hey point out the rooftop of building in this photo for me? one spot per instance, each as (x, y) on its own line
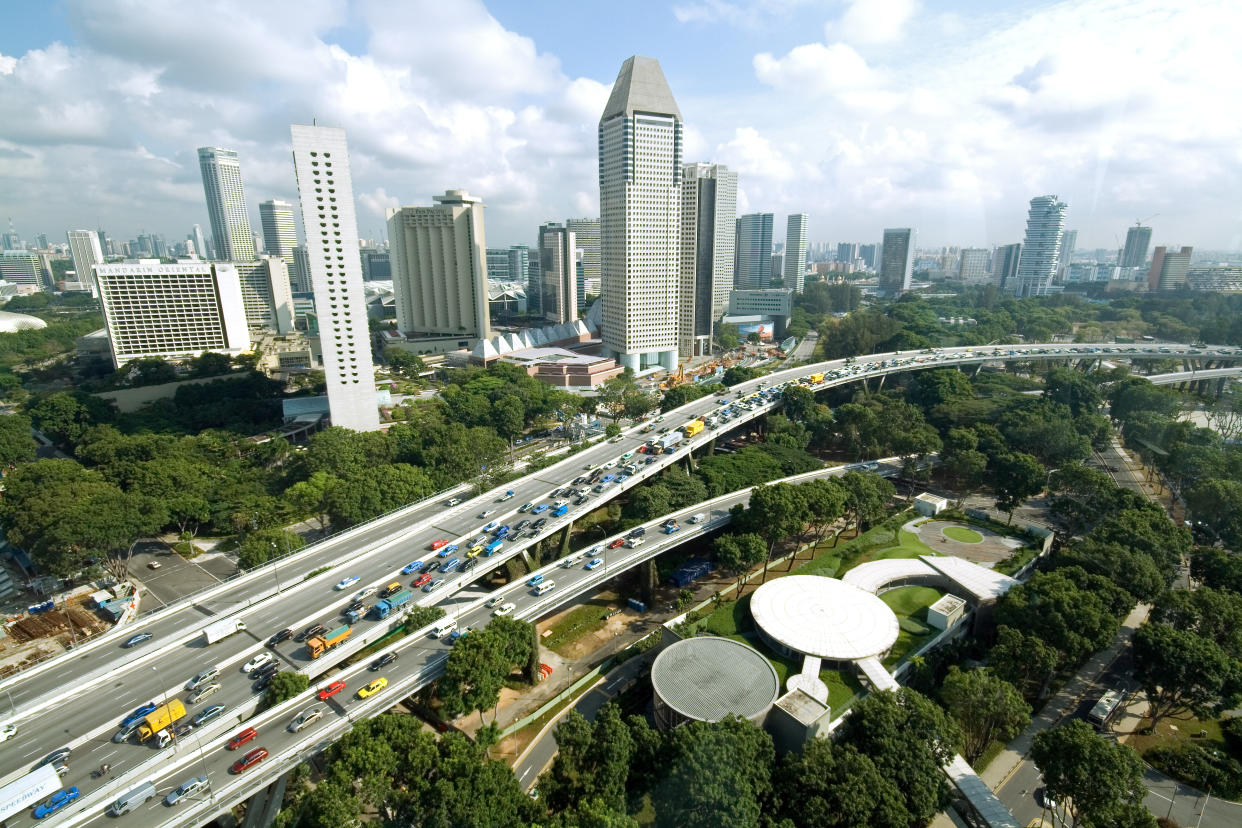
(13, 322)
(824, 617)
(640, 87)
(708, 678)
(558, 356)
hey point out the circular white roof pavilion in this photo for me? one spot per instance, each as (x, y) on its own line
(824, 617)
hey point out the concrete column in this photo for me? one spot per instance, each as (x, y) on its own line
(668, 360)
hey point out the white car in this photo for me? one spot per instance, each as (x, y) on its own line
(8, 732)
(494, 601)
(257, 662)
(193, 785)
(364, 594)
(504, 609)
(346, 583)
(304, 718)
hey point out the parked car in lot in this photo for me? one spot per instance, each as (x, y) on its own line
(330, 691)
(248, 761)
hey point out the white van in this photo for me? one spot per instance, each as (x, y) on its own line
(544, 588)
(444, 627)
(133, 799)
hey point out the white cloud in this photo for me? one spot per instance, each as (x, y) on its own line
(873, 21)
(815, 68)
(747, 15)
(377, 201)
(7, 64)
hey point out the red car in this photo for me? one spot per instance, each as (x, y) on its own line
(642, 449)
(251, 759)
(425, 578)
(331, 690)
(436, 544)
(242, 738)
(617, 543)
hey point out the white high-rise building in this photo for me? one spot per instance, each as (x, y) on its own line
(1041, 248)
(439, 267)
(200, 244)
(85, 251)
(174, 311)
(754, 252)
(326, 191)
(299, 276)
(708, 215)
(266, 294)
(795, 251)
(280, 234)
(226, 204)
(21, 267)
(558, 250)
(586, 236)
(896, 261)
(972, 266)
(640, 146)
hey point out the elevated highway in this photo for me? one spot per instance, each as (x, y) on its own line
(78, 699)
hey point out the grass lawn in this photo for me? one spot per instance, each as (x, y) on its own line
(1174, 730)
(883, 541)
(962, 535)
(579, 621)
(910, 605)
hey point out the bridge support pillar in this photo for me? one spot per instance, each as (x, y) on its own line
(711, 447)
(565, 538)
(880, 387)
(650, 580)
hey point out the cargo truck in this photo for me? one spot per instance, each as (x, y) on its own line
(393, 602)
(694, 428)
(816, 379)
(668, 441)
(160, 718)
(223, 629)
(493, 547)
(320, 644)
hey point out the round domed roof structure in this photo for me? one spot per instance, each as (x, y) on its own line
(824, 617)
(14, 322)
(707, 678)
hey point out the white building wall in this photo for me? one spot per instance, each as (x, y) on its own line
(85, 251)
(226, 203)
(795, 251)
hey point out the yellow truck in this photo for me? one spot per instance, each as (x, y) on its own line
(320, 644)
(161, 718)
(694, 428)
(816, 379)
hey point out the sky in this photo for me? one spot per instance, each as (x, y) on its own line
(943, 116)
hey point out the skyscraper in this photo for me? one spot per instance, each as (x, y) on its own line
(498, 264)
(439, 267)
(1138, 241)
(299, 277)
(972, 267)
(640, 146)
(708, 217)
(558, 253)
(586, 234)
(21, 267)
(896, 261)
(226, 204)
(847, 251)
(265, 292)
(280, 234)
(1069, 240)
(869, 253)
(795, 251)
(753, 251)
(1041, 247)
(85, 251)
(1168, 268)
(200, 244)
(1005, 265)
(321, 161)
(519, 271)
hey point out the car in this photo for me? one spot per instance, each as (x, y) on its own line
(534, 580)
(248, 761)
(421, 580)
(264, 682)
(140, 638)
(364, 594)
(593, 551)
(539, 524)
(346, 583)
(7, 732)
(154, 565)
(627, 455)
(508, 495)
(257, 662)
(616, 544)
(330, 691)
(649, 461)
(55, 802)
(617, 439)
(608, 478)
(595, 563)
(436, 544)
(520, 525)
(474, 552)
(208, 714)
(139, 714)
(412, 566)
(356, 606)
(526, 507)
(494, 601)
(434, 585)
(243, 737)
(453, 501)
(202, 693)
(540, 509)
(190, 786)
(312, 630)
(373, 688)
(609, 464)
(579, 480)
(568, 562)
(61, 766)
(489, 527)
(637, 532)
(621, 478)
(504, 609)
(599, 487)
(580, 499)
(202, 678)
(382, 662)
(448, 550)
(434, 566)
(461, 633)
(182, 729)
(451, 566)
(501, 531)
(671, 528)
(283, 635)
(699, 518)
(304, 718)
(265, 671)
(486, 513)
(481, 539)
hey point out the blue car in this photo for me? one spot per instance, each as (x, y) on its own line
(540, 509)
(139, 714)
(135, 640)
(490, 526)
(451, 566)
(412, 566)
(501, 531)
(608, 478)
(535, 580)
(594, 563)
(621, 478)
(445, 551)
(55, 802)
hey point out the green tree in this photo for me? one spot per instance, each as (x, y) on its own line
(830, 784)
(1073, 389)
(313, 496)
(737, 375)
(285, 685)
(866, 498)
(1217, 504)
(986, 708)
(17, 445)
(739, 553)
(381, 490)
(612, 430)
(776, 512)
(1094, 775)
(1016, 477)
(404, 362)
(1217, 568)
(942, 385)
(825, 505)
(717, 773)
(1025, 661)
(479, 664)
(1182, 672)
(509, 416)
(262, 546)
(1070, 610)
(592, 761)
(727, 336)
(211, 364)
(679, 395)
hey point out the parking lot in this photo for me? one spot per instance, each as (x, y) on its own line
(165, 575)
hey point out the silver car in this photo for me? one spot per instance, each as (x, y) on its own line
(192, 785)
(304, 718)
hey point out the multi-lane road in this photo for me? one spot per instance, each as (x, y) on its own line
(79, 699)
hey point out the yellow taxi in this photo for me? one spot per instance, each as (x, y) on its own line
(373, 688)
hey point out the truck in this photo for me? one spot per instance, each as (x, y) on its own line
(160, 718)
(816, 379)
(223, 629)
(694, 428)
(320, 644)
(393, 602)
(668, 441)
(560, 511)
(493, 547)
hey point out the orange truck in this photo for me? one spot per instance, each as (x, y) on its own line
(320, 644)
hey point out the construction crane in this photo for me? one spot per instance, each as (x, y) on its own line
(1139, 222)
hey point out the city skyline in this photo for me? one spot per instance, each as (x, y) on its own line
(888, 152)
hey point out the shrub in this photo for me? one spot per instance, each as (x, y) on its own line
(1202, 766)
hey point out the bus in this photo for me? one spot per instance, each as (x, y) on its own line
(1107, 708)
